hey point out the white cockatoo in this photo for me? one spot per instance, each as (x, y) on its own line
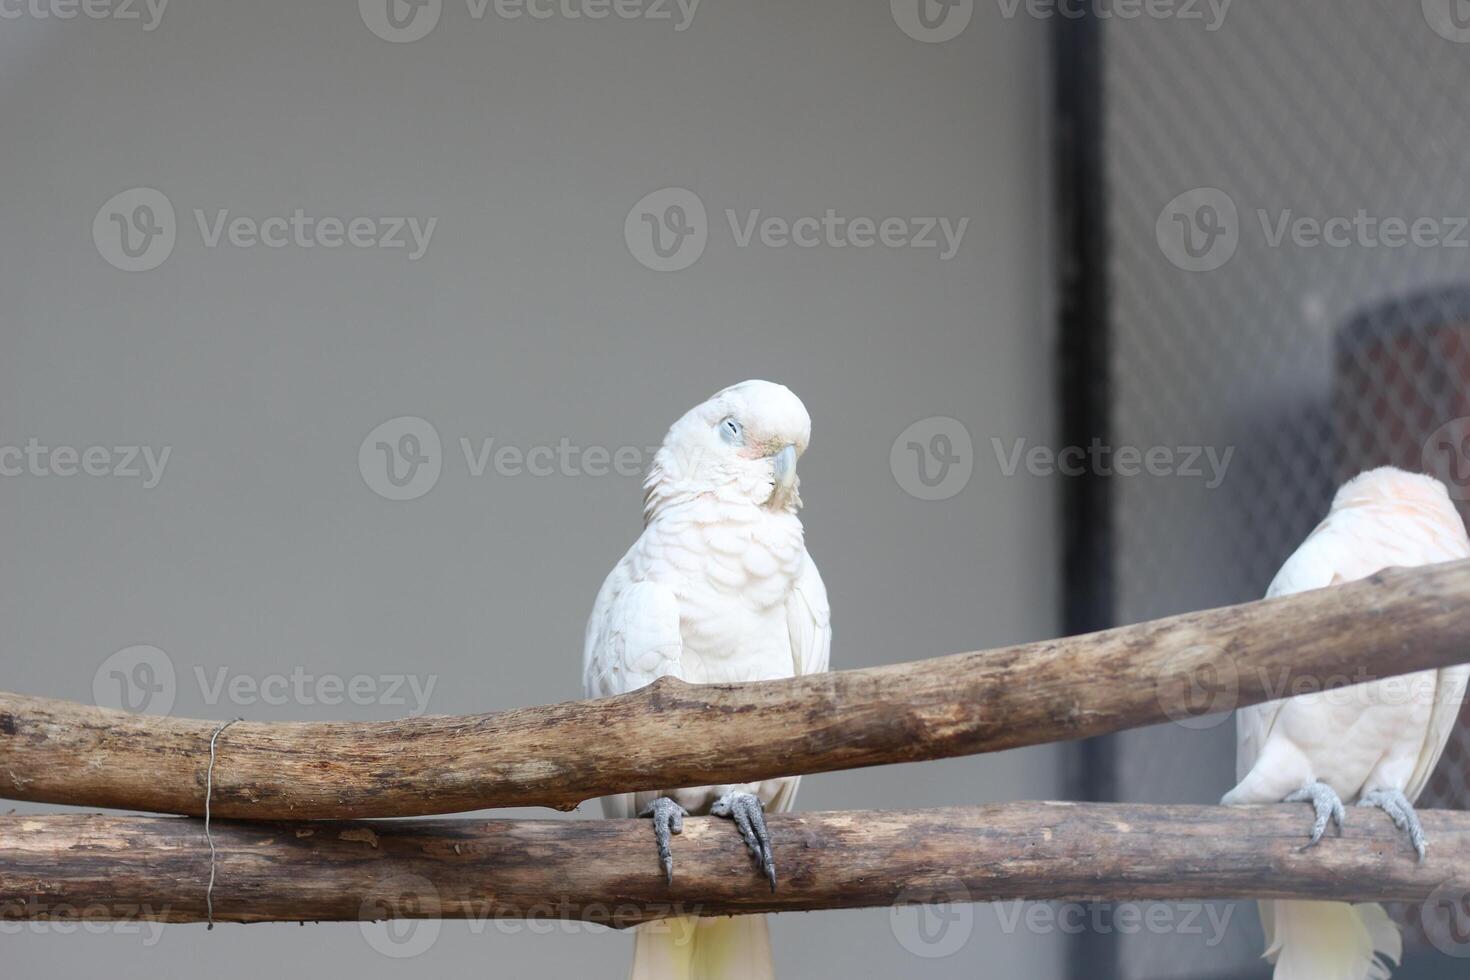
(718, 588)
(1375, 743)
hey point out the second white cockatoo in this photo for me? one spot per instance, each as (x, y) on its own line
(718, 588)
(1375, 744)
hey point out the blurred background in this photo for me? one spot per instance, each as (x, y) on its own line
(335, 336)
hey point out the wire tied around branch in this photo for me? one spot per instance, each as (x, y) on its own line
(209, 837)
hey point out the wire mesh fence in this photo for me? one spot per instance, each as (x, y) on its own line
(1290, 290)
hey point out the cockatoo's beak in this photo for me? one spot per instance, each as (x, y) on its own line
(784, 466)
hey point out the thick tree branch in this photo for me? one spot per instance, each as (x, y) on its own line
(672, 734)
(111, 867)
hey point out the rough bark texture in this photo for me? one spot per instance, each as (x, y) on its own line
(111, 867)
(672, 734)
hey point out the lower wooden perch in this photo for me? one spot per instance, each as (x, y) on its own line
(81, 866)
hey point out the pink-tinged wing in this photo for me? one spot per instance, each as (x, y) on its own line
(1354, 542)
(1407, 533)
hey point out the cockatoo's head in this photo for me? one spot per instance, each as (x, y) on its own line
(741, 445)
(1390, 485)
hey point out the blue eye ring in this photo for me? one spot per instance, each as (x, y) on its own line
(731, 431)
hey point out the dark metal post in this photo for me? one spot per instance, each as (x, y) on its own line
(1084, 392)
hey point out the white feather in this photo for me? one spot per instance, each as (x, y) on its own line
(718, 588)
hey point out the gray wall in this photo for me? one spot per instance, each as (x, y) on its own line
(263, 550)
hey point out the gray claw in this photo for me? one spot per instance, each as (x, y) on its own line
(750, 818)
(668, 818)
(1326, 803)
(1394, 803)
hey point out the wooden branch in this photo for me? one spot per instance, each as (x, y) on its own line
(672, 734)
(112, 867)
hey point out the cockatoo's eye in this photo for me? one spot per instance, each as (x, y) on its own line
(732, 432)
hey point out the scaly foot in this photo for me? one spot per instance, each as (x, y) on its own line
(668, 818)
(1394, 803)
(749, 816)
(1326, 803)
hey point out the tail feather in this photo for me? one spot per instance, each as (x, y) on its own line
(1330, 940)
(724, 948)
